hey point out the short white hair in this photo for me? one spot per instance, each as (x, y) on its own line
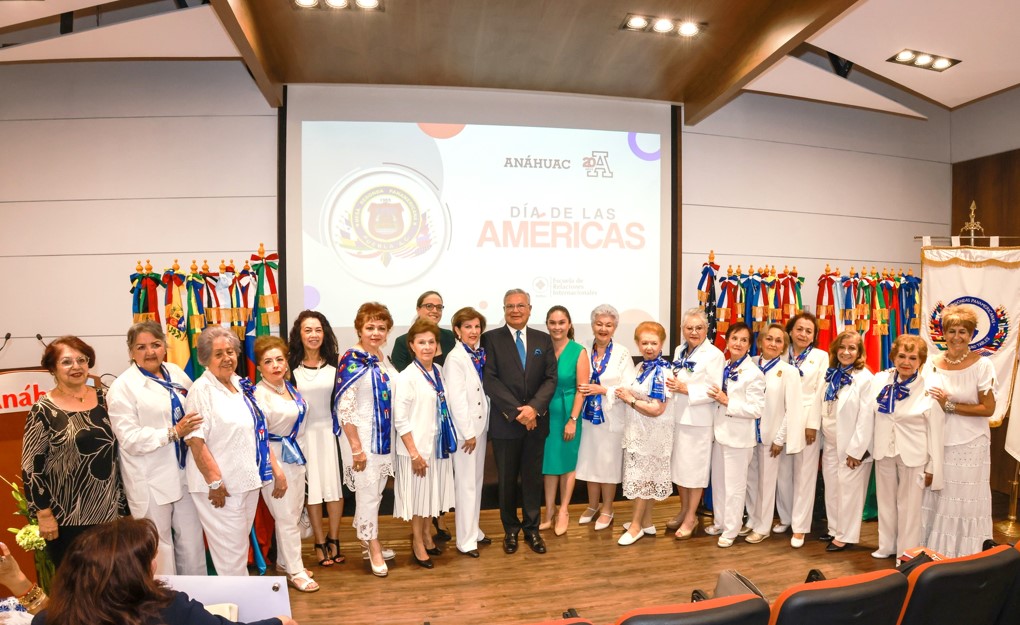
(516, 292)
(605, 310)
(696, 311)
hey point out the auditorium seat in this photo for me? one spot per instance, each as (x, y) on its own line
(871, 598)
(971, 590)
(746, 609)
(1010, 614)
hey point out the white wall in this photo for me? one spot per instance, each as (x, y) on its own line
(987, 127)
(777, 181)
(103, 164)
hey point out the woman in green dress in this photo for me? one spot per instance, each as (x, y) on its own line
(564, 439)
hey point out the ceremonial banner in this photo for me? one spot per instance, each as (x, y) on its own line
(986, 280)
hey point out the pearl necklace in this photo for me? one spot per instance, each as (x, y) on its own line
(950, 361)
(279, 390)
(315, 372)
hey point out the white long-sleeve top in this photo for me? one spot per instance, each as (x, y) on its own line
(914, 429)
(465, 396)
(812, 389)
(782, 398)
(620, 372)
(853, 418)
(734, 423)
(140, 415)
(696, 407)
(415, 410)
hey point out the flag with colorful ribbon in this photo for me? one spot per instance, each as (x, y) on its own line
(175, 299)
(145, 294)
(196, 320)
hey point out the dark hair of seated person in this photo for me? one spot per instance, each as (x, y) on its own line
(106, 578)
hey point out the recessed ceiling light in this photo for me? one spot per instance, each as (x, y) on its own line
(922, 60)
(662, 25)
(689, 29)
(337, 4)
(637, 22)
(306, 4)
(906, 55)
(367, 4)
(941, 64)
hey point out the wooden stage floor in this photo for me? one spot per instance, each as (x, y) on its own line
(583, 569)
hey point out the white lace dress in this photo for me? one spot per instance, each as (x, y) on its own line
(647, 446)
(956, 520)
(319, 445)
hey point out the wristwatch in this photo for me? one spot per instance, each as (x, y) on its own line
(633, 404)
(215, 485)
(573, 419)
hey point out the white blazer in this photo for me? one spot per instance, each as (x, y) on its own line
(782, 399)
(415, 410)
(855, 421)
(140, 415)
(464, 394)
(620, 372)
(812, 390)
(914, 429)
(734, 423)
(696, 407)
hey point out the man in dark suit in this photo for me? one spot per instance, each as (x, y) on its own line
(520, 379)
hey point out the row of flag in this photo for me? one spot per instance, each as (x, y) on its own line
(247, 301)
(881, 306)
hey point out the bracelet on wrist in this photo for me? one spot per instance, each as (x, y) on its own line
(171, 434)
(950, 407)
(218, 484)
(416, 458)
(32, 598)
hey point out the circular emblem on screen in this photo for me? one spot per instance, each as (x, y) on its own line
(992, 328)
(387, 226)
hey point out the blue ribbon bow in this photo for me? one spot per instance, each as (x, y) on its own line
(352, 366)
(837, 378)
(657, 368)
(261, 432)
(446, 442)
(176, 407)
(798, 360)
(477, 358)
(892, 393)
(292, 453)
(730, 372)
(592, 409)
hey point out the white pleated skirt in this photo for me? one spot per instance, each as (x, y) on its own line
(600, 456)
(427, 496)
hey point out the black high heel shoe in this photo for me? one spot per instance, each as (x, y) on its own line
(426, 563)
(333, 545)
(441, 534)
(433, 551)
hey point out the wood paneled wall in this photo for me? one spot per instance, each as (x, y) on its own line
(994, 183)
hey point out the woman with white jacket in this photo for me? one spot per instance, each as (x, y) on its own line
(848, 425)
(146, 406)
(423, 480)
(741, 401)
(470, 407)
(697, 367)
(798, 467)
(782, 397)
(907, 446)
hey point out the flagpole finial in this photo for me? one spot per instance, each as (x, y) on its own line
(794, 270)
(973, 225)
(262, 250)
(873, 270)
(175, 266)
(194, 266)
(729, 270)
(837, 272)
(247, 267)
(205, 265)
(910, 271)
(827, 270)
(148, 266)
(711, 256)
(851, 270)
(138, 267)
(786, 269)
(223, 265)
(738, 270)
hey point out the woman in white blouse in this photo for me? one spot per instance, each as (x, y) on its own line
(285, 412)
(782, 397)
(146, 406)
(229, 458)
(740, 399)
(423, 488)
(697, 366)
(364, 408)
(848, 424)
(600, 456)
(470, 407)
(798, 467)
(907, 446)
(958, 519)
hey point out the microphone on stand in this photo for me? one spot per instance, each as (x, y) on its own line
(7, 337)
(38, 337)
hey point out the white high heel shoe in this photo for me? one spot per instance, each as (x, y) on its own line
(589, 514)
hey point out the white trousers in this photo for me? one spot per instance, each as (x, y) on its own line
(795, 488)
(845, 491)
(468, 476)
(181, 550)
(367, 498)
(899, 505)
(227, 529)
(761, 489)
(729, 486)
(286, 513)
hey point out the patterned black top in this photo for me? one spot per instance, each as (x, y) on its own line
(69, 464)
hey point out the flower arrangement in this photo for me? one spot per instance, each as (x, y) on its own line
(28, 537)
